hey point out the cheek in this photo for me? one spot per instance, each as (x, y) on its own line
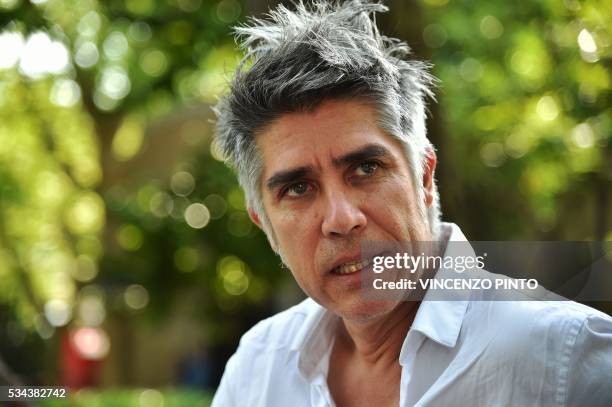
(394, 207)
(295, 237)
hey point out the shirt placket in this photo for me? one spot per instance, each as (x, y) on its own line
(414, 340)
(319, 393)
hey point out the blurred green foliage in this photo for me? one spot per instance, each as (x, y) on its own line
(81, 82)
(525, 90)
(132, 398)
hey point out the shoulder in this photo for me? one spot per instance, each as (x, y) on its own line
(263, 366)
(560, 326)
(532, 307)
(283, 330)
(589, 363)
(561, 348)
(534, 322)
(531, 317)
(559, 313)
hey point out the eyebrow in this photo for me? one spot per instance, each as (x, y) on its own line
(288, 176)
(367, 152)
(364, 153)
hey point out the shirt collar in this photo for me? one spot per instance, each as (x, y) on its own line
(314, 340)
(439, 320)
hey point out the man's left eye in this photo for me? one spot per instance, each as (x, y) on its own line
(367, 168)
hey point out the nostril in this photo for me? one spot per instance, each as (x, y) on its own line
(349, 226)
(342, 216)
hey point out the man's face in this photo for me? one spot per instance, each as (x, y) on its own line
(332, 179)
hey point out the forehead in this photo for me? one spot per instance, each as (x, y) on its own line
(326, 116)
(311, 138)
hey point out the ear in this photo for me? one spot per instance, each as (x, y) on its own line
(254, 217)
(428, 176)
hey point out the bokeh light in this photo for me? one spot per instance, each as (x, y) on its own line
(216, 205)
(91, 311)
(151, 398)
(11, 45)
(58, 312)
(182, 183)
(86, 214)
(136, 297)
(91, 343)
(234, 275)
(186, 259)
(41, 55)
(130, 237)
(128, 139)
(491, 27)
(197, 215)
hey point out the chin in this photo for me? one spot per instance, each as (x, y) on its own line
(365, 310)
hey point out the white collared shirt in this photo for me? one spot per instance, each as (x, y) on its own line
(460, 352)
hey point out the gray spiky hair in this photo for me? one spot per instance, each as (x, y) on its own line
(325, 50)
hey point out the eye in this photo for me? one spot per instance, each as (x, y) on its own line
(367, 168)
(296, 190)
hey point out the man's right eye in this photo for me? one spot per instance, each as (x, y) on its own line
(296, 190)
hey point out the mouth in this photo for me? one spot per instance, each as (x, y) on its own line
(350, 267)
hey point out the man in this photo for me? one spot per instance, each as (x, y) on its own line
(326, 129)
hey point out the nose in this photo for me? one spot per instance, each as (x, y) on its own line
(342, 217)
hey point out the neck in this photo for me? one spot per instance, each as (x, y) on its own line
(381, 339)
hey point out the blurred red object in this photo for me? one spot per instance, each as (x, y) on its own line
(82, 356)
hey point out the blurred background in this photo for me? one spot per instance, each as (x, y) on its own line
(128, 265)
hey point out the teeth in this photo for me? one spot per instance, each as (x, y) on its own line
(351, 267)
